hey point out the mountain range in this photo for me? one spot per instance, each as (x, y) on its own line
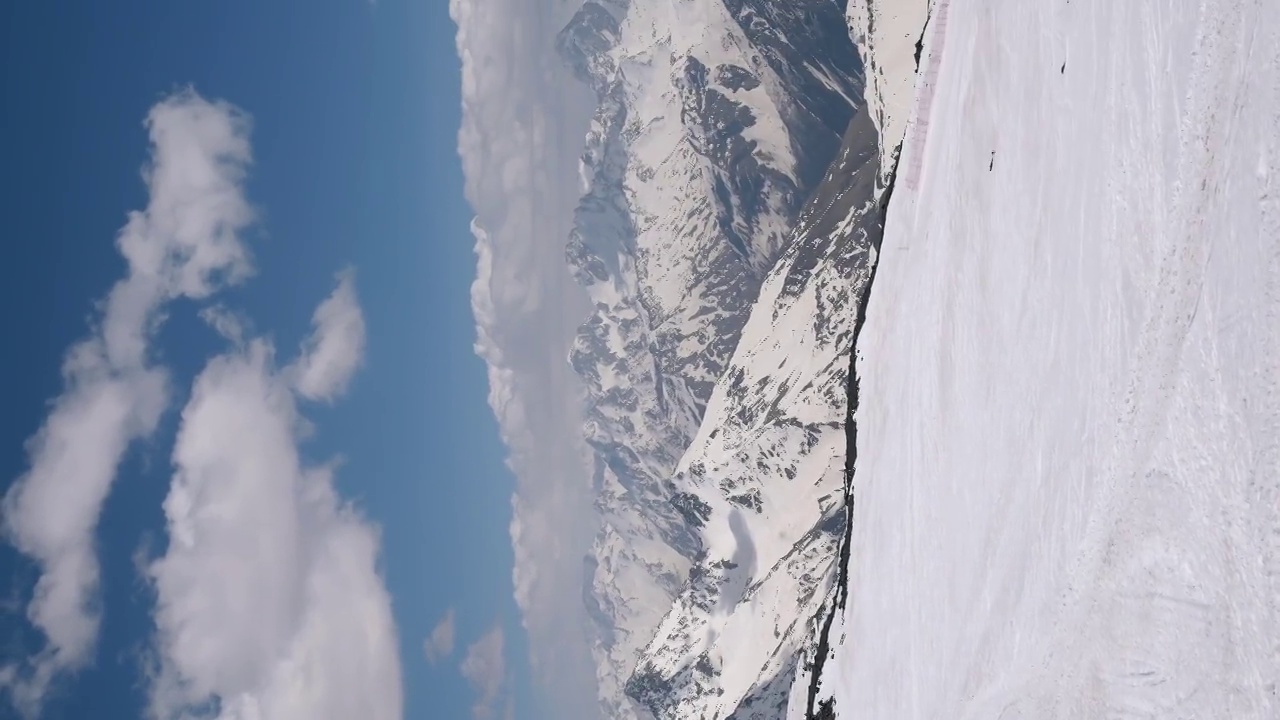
(726, 233)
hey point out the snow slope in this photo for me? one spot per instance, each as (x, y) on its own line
(763, 480)
(1068, 473)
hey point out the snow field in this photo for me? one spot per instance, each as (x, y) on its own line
(1068, 484)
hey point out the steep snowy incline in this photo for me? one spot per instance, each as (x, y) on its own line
(763, 479)
(888, 34)
(1068, 476)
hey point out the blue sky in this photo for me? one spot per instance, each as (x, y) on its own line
(354, 116)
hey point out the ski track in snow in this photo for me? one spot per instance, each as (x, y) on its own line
(1068, 490)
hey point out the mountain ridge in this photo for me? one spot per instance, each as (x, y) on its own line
(694, 175)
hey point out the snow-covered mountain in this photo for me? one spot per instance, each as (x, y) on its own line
(764, 477)
(1062, 428)
(717, 120)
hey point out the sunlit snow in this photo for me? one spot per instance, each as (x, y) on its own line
(1068, 482)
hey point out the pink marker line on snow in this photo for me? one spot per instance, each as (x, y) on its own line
(924, 106)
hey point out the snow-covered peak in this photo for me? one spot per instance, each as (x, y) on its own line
(763, 479)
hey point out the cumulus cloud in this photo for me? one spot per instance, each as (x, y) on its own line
(524, 120)
(332, 354)
(269, 603)
(186, 243)
(439, 644)
(485, 668)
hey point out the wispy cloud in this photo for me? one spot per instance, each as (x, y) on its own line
(269, 602)
(439, 644)
(186, 243)
(333, 353)
(485, 668)
(226, 323)
(524, 120)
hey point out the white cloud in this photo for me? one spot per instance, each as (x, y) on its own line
(524, 120)
(333, 353)
(439, 644)
(226, 323)
(185, 243)
(485, 668)
(269, 601)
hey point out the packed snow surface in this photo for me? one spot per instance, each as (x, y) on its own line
(1068, 474)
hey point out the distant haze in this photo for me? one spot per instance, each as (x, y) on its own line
(524, 119)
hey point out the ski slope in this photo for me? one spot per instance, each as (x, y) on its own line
(1068, 478)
